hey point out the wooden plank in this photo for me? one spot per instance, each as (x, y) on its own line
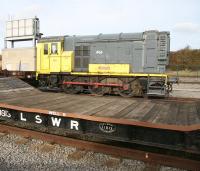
(80, 105)
(122, 113)
(92, 106)
(161, 114)
(172, 113)
(152, 113)
(198, 109)
(26, 100)
(192, 114)
(39, 102)
(100, 108)
(140, 109)
(17, 94)
(48, 103)
(181, 118)
(67, 105)
(114, 108)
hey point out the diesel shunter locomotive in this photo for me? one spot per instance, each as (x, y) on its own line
(128, 64)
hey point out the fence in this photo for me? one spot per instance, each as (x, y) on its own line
(185, 72)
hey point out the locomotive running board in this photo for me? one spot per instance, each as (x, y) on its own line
(181, 138)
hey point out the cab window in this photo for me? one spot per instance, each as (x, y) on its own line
(62, 46)
(45, 49)
(54, 48)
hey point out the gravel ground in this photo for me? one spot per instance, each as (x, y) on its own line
(190, 79)
(18, 153)
(186, 90)
(189, 87)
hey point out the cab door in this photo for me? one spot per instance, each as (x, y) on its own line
(55, 57)
(44, 60)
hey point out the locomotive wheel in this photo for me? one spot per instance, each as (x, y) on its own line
(169, 88)
(71, 89)
(135, 89)
(42, 83)
(126, 93)
(97, 90)
(53, 81)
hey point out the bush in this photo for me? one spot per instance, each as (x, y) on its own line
(185, 59)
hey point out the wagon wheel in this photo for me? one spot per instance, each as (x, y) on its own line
(97, 90)
(71, 89)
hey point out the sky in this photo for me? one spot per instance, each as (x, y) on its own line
(88, 17)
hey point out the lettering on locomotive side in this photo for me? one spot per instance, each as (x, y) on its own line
(5, 113)
(104, 68)
(100, 52)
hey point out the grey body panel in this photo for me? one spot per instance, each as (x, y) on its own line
(145, 52)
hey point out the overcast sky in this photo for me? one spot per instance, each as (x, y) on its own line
(72, 17)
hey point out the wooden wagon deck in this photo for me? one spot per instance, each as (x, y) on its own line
(175, 112)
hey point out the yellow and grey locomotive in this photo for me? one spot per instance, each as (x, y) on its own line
(130, 64)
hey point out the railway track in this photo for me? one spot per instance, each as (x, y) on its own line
(153, 159)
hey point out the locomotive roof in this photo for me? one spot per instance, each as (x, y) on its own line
(113, 37)
(100, 37)
(51, 39)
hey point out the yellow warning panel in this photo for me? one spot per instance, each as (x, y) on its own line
(109, 68)
(67, 61)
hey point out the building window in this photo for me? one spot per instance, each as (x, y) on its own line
(54, 48)
(45, 49)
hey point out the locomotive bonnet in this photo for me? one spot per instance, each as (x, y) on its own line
(144, 52)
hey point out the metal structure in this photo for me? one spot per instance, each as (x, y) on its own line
(14, 59)
(22, 30)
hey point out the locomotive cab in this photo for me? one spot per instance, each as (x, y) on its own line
(51, 57)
